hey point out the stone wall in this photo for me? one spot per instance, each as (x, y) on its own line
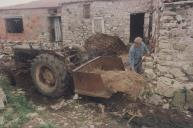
(113, 18)
(175, 46)
(35, 24)
(170, 72)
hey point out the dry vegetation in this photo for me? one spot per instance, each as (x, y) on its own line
(127, 82)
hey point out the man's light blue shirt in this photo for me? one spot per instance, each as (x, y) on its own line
(136, 54)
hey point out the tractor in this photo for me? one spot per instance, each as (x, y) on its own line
(56, 72)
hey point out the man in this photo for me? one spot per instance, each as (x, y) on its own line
(136, 53)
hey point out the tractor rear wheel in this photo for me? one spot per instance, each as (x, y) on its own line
(50, 75)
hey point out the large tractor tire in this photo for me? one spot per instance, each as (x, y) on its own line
(50, 75)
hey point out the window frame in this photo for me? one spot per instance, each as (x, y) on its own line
(12, 21)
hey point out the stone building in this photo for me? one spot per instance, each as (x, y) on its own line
(171, 69)
(73, 21)
(175, 46)
(32, 22)
(124, 18)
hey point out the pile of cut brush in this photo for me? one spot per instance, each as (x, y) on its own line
(102, 44)
(127, 82)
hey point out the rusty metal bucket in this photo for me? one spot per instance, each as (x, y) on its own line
(91, 84)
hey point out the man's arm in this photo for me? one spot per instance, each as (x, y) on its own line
(146, 49)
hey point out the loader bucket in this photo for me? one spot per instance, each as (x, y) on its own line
(91, 84)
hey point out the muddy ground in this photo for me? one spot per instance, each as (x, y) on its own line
(87, 112)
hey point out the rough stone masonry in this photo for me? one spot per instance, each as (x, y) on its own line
(109, 17)
(175, 46)
(172, 68)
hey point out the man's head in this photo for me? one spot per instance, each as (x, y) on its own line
(138, 41)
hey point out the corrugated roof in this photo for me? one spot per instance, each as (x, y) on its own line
(37, 4)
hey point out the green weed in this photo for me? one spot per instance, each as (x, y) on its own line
(19, 105)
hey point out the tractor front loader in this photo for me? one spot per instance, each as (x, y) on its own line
(57, 72)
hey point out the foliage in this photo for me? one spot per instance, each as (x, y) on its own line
(17, 107)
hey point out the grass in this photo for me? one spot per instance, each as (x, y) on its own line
(18, 105)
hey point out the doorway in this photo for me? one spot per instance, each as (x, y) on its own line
(55, 29)
(136, 25)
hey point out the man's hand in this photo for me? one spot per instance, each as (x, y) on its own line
(143, 58)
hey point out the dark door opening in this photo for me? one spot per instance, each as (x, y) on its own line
(55, 29)
(136, 26)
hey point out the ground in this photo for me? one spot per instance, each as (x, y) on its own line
(27, 108)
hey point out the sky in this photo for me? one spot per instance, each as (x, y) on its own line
(12, 2)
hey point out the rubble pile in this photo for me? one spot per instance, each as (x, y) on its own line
(159, 118)
(142, 115)
(102, 44)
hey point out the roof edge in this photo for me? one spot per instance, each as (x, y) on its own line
(5, 9)
(59, 5)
